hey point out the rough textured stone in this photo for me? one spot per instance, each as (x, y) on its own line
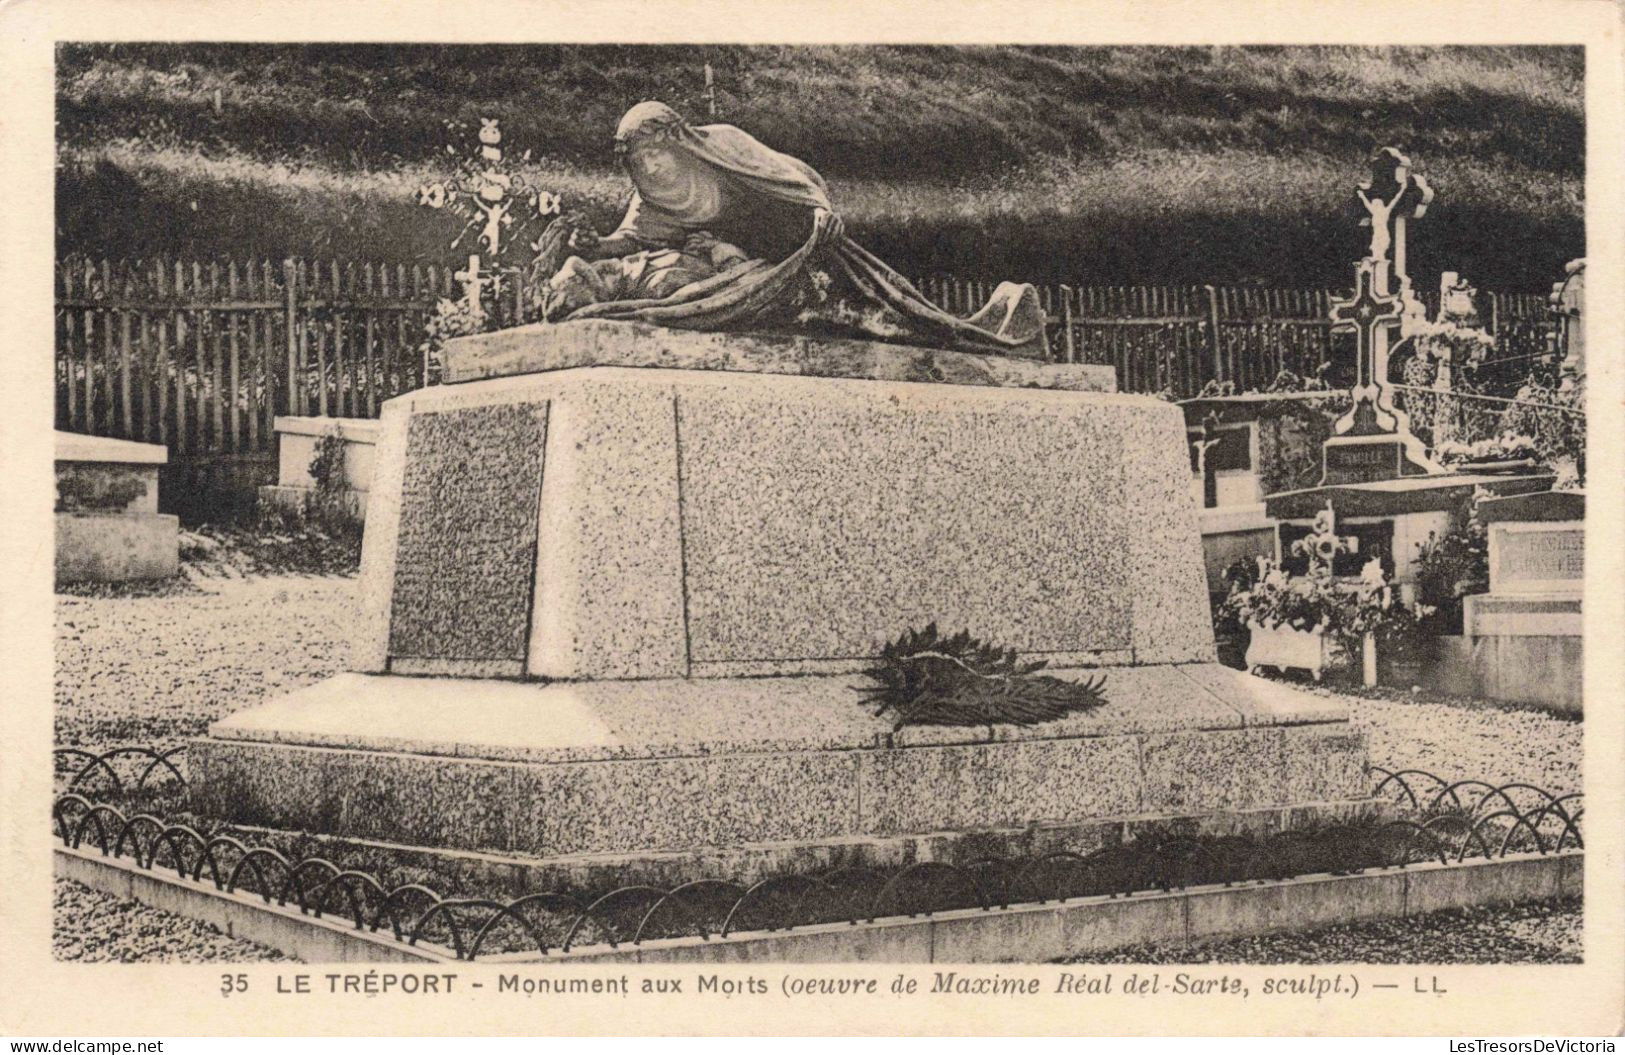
(1260, 701)
(108, 528)
(726, 524)
(467, 533)
(593, 342)
(1162, 550)
(988, 785)
(674, 717)
(1219, 769)
(683, 764)
(669, 804)
(380, 541)
(1325, 761)
(609, 569)
(106, 487)
(822, 517)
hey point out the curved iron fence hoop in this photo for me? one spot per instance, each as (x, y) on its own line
(926, 868)
(168, 837)
(1076, 859)
(1465, 828)
(587, 913)
(347, 881)
(59, 815)
(389, 900)
(673, 896)
(252, 858)
(770, 883)
(1518, 821)
(511, 910)
(128, 831)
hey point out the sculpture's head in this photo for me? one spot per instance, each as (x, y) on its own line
(650, 120)
(661, 154)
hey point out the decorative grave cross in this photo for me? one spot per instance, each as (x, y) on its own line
(1391, 196)
(1323, 544)
(1368, 314)
(493, 200)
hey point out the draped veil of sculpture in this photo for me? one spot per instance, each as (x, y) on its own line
(754, 239)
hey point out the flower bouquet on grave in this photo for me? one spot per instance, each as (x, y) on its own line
(1499, 454)
(1391, 634)
(1295, 621)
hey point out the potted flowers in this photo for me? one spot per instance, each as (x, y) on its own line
(1311, 622)
(1295, 621)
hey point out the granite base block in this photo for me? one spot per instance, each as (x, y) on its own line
(606, 522)
(561, 769)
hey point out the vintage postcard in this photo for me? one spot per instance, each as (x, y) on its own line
(721, 518)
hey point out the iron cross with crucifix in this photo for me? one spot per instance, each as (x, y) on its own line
(1391, 196)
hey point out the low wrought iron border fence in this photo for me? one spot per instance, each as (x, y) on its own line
(1450, 822)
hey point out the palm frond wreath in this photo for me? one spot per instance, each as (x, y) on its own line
(927, 679)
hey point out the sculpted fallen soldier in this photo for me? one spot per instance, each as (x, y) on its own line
(724, 232)
(650, 274)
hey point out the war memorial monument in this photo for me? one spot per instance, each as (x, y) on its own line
(622, 577)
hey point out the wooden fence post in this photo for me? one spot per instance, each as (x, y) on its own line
(290, 283)
(1067, 339)
(1215, 349)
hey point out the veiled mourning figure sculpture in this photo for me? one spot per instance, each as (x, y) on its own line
(723, 232)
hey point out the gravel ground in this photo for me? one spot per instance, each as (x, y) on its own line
(153, 667)
(1537, 932)
(158, 669)
(1461, 740)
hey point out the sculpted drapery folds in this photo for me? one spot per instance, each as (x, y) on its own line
(724, 232)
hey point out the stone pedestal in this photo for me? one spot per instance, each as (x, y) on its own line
(1523, 640)
(664, 765)
(700, 562)
(108, 528)
(297, 439)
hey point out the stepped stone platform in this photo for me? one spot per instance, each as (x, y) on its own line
(672, 764)
(618, 602)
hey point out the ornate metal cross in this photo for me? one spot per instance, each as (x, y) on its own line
(1391, 196)
(497, 205)
(1368, 314)
(1323, 544)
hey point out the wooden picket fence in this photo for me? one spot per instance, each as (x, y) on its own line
(1176, 339)
(202, 356)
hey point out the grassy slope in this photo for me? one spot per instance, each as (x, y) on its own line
(1101, 165)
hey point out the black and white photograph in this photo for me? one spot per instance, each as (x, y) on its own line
(1038, 518)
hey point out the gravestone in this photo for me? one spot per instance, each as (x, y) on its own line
(108, 528)
(1376, 473)
(618, 595)
(1523, 640)
(1260, 442)
(298, 440)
